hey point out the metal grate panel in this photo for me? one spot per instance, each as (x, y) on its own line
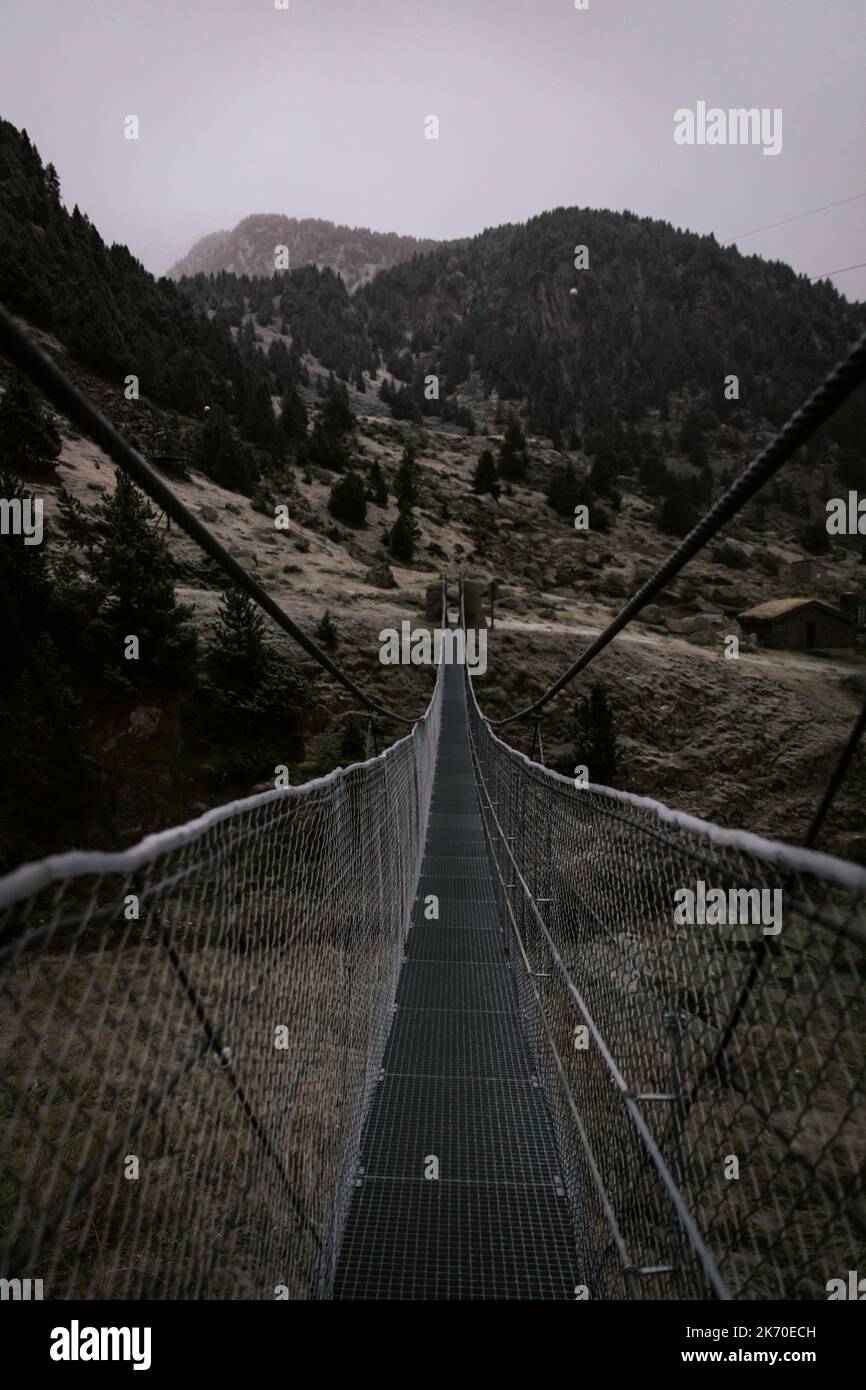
(457, 1086)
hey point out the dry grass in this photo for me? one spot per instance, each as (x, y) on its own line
(89, 1040)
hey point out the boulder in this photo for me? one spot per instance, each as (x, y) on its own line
(697, 622)
(208, 514)
(380, 575)
(613, 583)
(651, 614)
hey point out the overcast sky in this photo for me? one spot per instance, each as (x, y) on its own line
(319, 111)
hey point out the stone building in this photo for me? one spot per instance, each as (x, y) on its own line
(802, 624)
(804, 573)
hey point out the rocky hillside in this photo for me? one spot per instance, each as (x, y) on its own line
(355, 253)
(286, 390)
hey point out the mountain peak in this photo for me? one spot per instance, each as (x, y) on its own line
(355, 253)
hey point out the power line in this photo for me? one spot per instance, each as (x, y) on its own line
(66, 397)
(797, 218)
(845, 377)
(845, 268)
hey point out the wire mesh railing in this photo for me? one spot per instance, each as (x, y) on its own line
(189, 1034)
(696, 1002)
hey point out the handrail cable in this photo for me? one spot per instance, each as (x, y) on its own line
(626, 1095)
(212, 1034)
(65, 396)
(835, 388)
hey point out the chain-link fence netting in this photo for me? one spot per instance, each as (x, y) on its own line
(189, 1035)
(696, 1002)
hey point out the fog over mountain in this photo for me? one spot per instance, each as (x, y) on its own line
(310, 113)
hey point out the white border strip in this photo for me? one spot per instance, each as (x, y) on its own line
(851, 877)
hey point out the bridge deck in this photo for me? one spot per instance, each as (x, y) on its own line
(458, 1086)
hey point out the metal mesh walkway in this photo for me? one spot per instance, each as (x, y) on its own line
(457, 1087)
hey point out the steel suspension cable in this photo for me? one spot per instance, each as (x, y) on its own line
(837, 386)
(65, 396)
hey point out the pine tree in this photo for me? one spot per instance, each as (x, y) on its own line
(692, 439)
(28, 440)
(238, 657)
(251, 705)
(134, 574)
(348, 500)
(595, 735)
(602, 472)
(678, 514)
(378, 486)
(703, 486)
(353, 742)
(258, 423)
(406, 485)
(52, 184)
(220, 455)
(513, 458)
(326, 629)
(293, 414)
(337, 417)
(484, 477)
(814, 537)
(403, 536)
(327, 449)
(564, 491)
(404, 406)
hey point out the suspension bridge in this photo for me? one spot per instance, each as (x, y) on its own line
(428, 1027)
